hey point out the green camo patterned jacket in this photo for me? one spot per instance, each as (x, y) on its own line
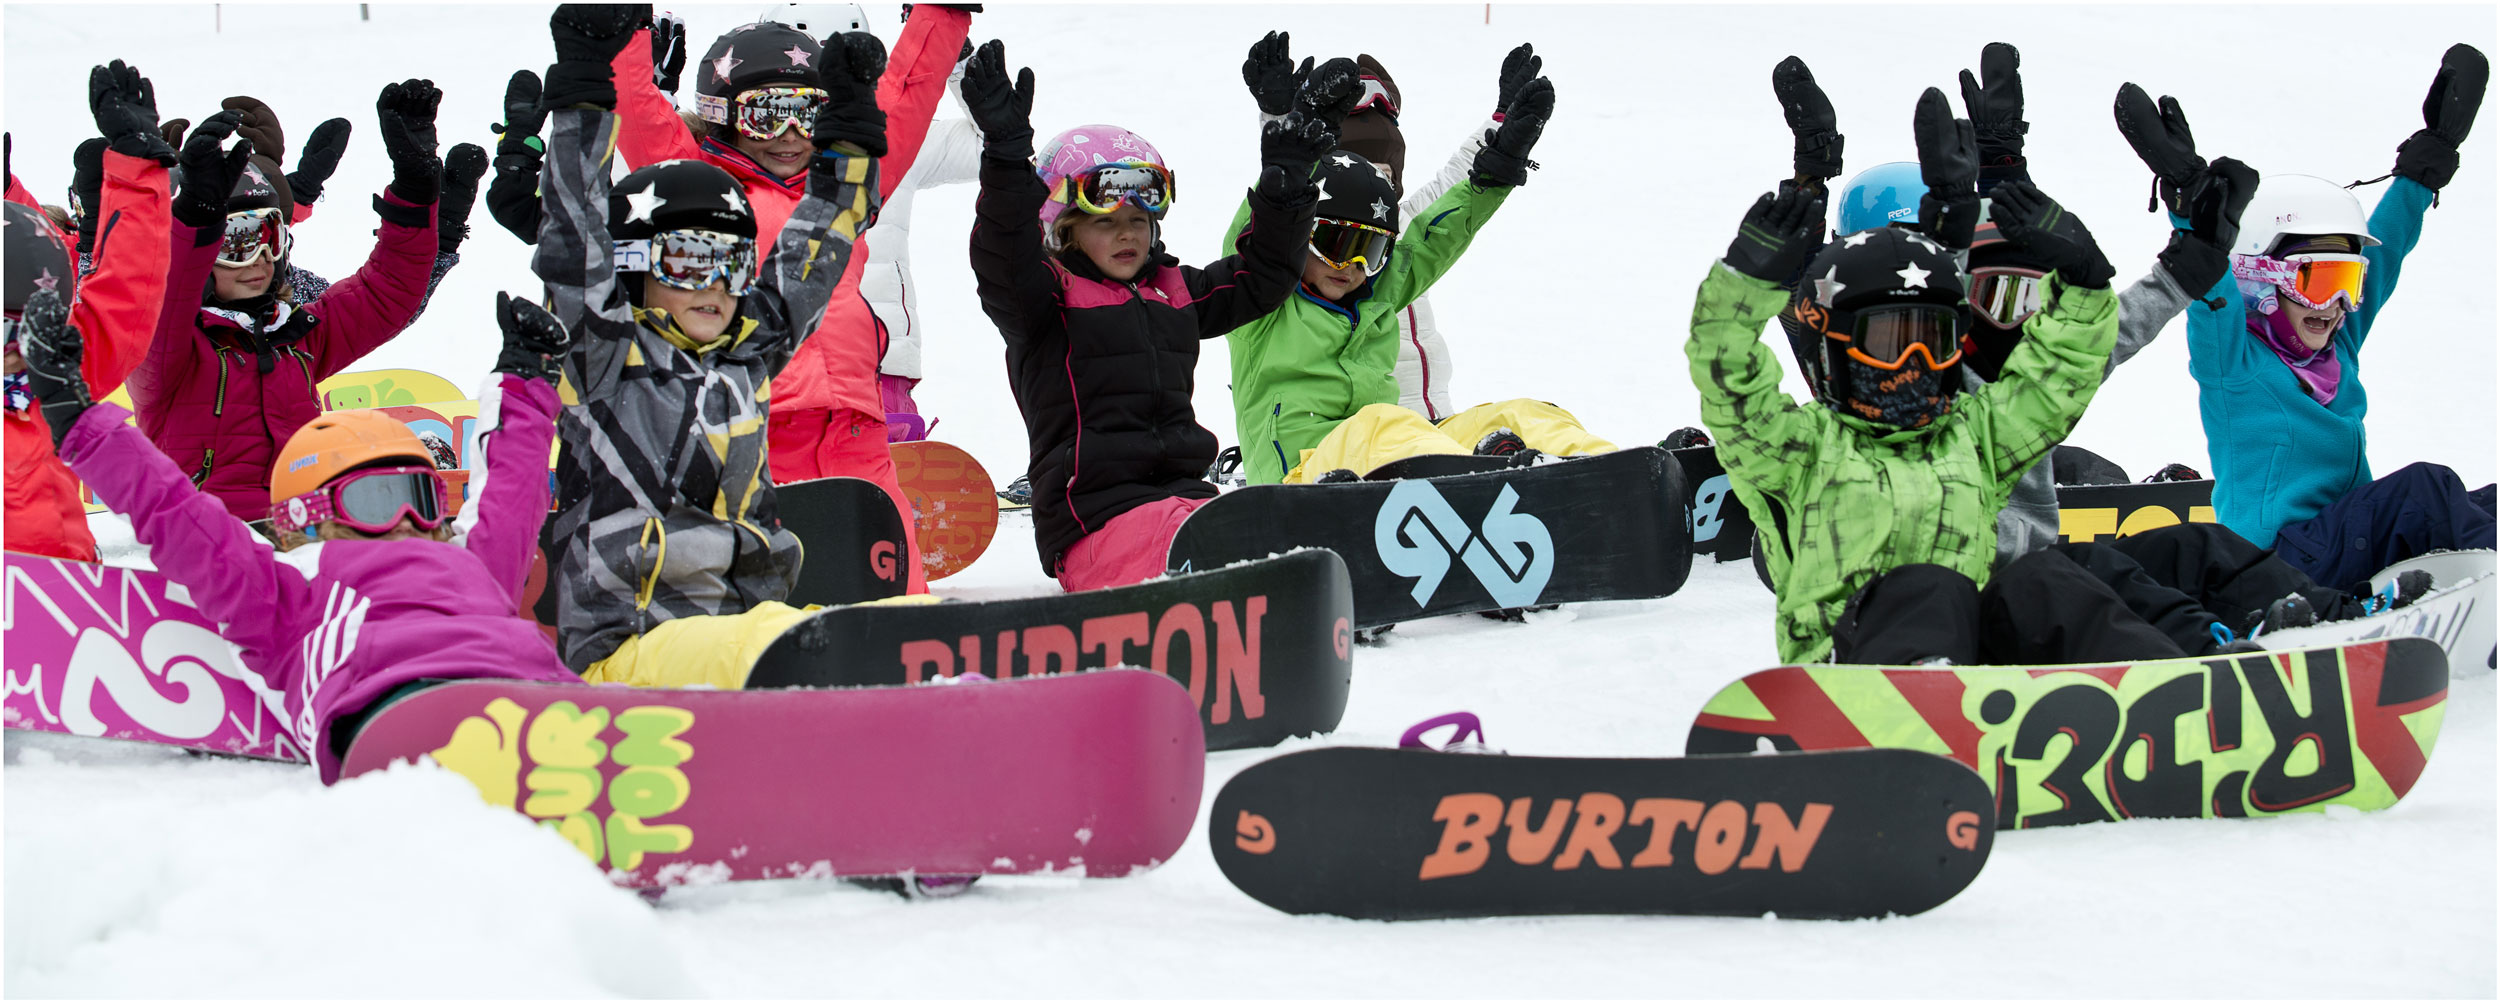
(1840, 500)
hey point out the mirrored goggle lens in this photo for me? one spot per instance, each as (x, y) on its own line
(694, 259)
(251, 234)
(1885, 337)
(1376, 96)
(2004, 298)
(2317, 283)
(1103, 189)
(373, 500)
(1343, 245)
(766, 113)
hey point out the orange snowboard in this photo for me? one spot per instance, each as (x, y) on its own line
(953, 501)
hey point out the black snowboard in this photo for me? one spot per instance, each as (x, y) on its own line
(1611, 526)
(1414, 834)
(853, 539)
(1721, 526)
(1264, 646)
(2103, 512)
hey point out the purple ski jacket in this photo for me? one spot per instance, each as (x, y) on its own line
(333, 625)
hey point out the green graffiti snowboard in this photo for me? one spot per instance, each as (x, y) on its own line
(2253, 734)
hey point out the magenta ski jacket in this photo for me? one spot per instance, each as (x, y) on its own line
(330, 626)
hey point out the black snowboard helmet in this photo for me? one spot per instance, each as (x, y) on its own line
(1354, 189)
(1876, 325)
(673, 195)
(38, 256)
(748, 57)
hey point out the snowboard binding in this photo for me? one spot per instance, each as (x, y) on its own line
(1466, 735)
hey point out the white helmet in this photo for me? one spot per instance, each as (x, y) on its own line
(2299, 205)
(818, 19)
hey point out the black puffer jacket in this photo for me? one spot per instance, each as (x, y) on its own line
(1103, 370)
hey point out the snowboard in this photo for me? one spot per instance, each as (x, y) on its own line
(1265, 646)
(1098, 773)
(2099, 513)
(956, 505)
(2458, 612)
(386, 388)
(1609, 526)
(107, 652)
(2223, 736)
(1419, 834)
(852, 540)
(1722, 527)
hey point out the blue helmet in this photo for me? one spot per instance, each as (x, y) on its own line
(1884, 193)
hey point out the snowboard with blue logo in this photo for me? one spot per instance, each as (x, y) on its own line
(1611, 526)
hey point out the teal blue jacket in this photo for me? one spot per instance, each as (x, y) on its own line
(2278, 455)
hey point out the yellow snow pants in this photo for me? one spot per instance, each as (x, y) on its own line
(715, 651)
(1380, 433)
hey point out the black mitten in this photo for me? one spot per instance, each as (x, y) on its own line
(2429, 156)
(1994, 100)
(319, 160)
(1810, 119)
(1948, 160)
(2200, 255)
(853, 62)
(2161, 138)
(461, 172)
(588, 36)
(86, 188)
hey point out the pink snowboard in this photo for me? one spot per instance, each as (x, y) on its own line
(115, 653)
(1096, 774)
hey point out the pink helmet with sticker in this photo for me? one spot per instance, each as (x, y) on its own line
(1075, 153)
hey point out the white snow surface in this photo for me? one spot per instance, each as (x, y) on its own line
(133, 871)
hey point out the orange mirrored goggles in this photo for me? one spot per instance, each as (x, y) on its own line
(1886, 337)
(2311, 280)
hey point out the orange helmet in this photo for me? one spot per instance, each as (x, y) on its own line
(337, 442)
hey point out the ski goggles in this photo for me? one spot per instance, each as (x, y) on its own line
(371, 500)
(767, 112)
(1341, 244)
(692, 259)
(1375, 96)
(1885, 337)
(252, 233)
(2311, 280)
(1103, 188)
(2005, 297)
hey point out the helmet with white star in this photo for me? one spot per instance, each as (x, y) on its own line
(37, 256)
(1353, 189)
(751, 56)
(1891, 285)
(678, 195)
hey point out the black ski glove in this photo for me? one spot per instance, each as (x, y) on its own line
(668, 51)
(1810, 120)
(86, 188)
(208, 172)
(2430, 155)
(1519, 67)
(534, 341)
(512, 198)
(2162, 140)
(2200, 255)
(1994, 100)
(1330, 92)
(461, 172)
(1003, 111)
(1289, 152)
(1504, 159)
(523, 117)
(319, 160)
(53, 351)
(1948, 160)
(2040, 227)
(588, 36)
(853, 62)
(406, 111)
(1270, 72)
(1780, 232)
(124, 104)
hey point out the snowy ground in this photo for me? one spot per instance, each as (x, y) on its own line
(130, 872)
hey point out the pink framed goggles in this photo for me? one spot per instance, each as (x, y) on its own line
(371, 500)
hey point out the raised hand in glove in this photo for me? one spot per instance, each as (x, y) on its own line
(853, 62)
(319, 160)
(1994, 100)
(2200, 255)
(1289, 150)
(523, 117)
(1330, 92)
(1003, 111)
(124, 104)
(1780, 232)
(588, 36)
(86, 188)
(2040, 227)
(1948, 160)
(534, 341)
(668, 52)
(209, 172)
(2161, 138)
(1270, 72)
(1504, 159)
(1519, 67)
(2429, 156)
(1810, 120)
(406, 111)
(461, 171)
(53, 352)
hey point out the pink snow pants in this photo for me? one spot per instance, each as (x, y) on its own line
(1129, 549)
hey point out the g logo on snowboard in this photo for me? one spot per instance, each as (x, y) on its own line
(1417, 532)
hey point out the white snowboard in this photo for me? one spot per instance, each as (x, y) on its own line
(2459, 612)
